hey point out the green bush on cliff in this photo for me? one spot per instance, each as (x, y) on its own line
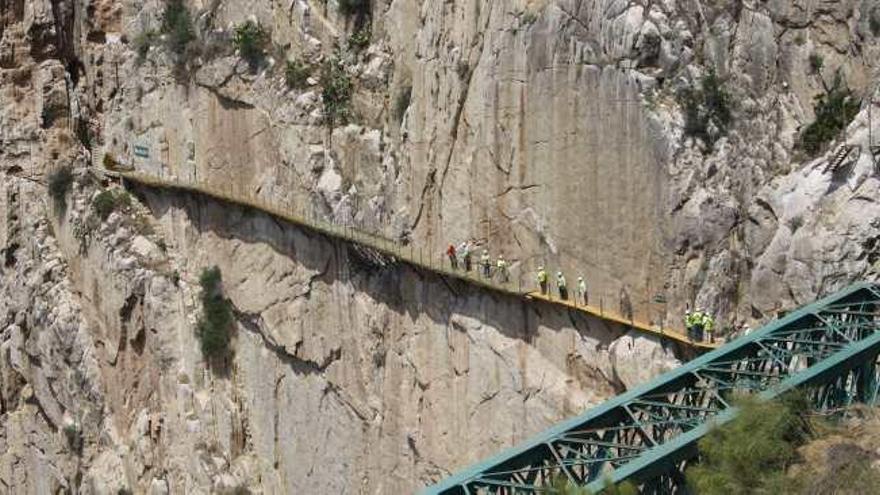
(296, 74)
(106, 202)
(751, 453)
(177, 26)
(214, 327)
(834, 111)
(250, 40)
(707, 110)
(337, 92)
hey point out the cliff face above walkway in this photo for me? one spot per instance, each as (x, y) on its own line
(551, 131)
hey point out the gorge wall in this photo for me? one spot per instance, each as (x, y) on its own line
(551, 131)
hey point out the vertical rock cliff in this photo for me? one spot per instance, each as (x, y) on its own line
(579, 134)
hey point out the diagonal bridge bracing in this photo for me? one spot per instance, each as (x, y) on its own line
(649, 434)
(308, 219)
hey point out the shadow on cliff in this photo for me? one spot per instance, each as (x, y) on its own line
(403, 288)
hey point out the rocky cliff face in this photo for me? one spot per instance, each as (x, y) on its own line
(550, 130)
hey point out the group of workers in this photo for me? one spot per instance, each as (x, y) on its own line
(463, 257)
(699, 324)
(562, 286)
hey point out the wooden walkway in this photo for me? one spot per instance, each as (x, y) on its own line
(413, 256)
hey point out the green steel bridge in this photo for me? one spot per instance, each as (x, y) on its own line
(649, 435)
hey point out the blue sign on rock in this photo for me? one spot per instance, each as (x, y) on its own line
(141, 151)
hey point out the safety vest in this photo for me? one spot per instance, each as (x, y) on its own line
(542, 277)
(560, 281)
(708, 322)
(696, 318)
(582, 286)
(502, 264)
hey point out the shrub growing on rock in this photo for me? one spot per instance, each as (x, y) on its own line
(106, 202)
(296, 74)
(751, 453)
(215, 325)
(142, 43)
(816, 63)
(337, 92)
(360, 39)
(707, 110)
(177, 26)
(834, 111)
(250, 40)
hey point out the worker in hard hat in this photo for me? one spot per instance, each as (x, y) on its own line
(542, 280)
(582, 290)
(562, 286)
(698, 324)
(708, 326)
(465, 250)
(453, 259)
(689, 323)
(501, 269)
(486, 263)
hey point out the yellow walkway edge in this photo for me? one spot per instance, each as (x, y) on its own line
(390, 248)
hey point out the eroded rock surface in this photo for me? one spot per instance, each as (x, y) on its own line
(549, 130)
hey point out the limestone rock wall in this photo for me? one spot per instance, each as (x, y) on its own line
(549, 130)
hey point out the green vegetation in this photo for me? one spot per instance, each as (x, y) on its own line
(776, 447)
(707, 110)
(354, 7)
(215, 325)
(296, 74)
(834, 111)
(360, 39)
(751, 453)
(250, 40)
(108, 201)
(529, 18)
(177, 26)
(816, 63)
(142, 43)
(338, 89)
(59, 185)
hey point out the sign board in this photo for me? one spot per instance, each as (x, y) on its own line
(141, 151)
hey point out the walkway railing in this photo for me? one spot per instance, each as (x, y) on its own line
(359, 234)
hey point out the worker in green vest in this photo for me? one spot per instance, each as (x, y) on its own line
(542, 280)
(708, 325)
(486, 264)
(698, 324)
(562, 286)
(689, 323)
(582, 291)
(501, 269)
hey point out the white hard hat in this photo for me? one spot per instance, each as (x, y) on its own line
(559, 273)
(580, 278)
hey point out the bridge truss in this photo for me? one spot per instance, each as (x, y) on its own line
(648, 435)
